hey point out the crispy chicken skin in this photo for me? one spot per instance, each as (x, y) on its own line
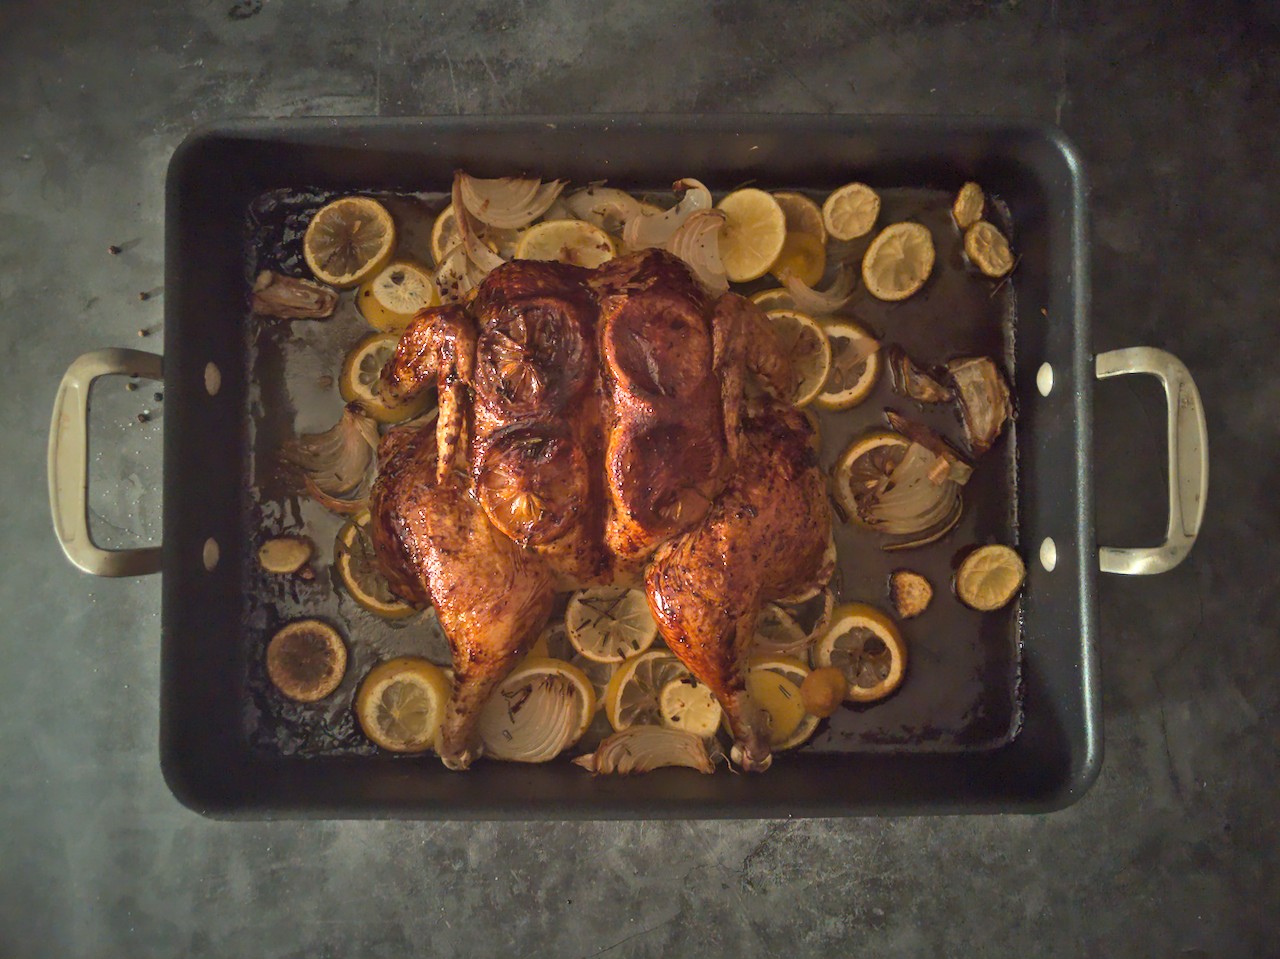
(595, 424)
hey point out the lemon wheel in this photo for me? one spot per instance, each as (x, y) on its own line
(634, 694)
(401, 704)
(990, 577)
(306, 660)
(851, 211)
(898, 261)
(444, 234)
(353, 556)
(688, 705)
(537, 712)
(566, 241)
(854, 370)
(391, 297)
(359, 380)
(865, 645)
(865, 467)
(348, 241)
(774, 683)
(754, 231)
(608, 624)
(968, 206)
(987, 249)
(805, 343)
(802, 215)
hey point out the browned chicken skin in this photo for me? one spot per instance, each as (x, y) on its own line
(593, 422)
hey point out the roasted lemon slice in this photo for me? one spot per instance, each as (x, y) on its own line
(854, 370)
(802, 215)
(538, 711)
(354, 559)
(803, 256)
(865, 645)
(608, 624)
(865, 467)
(401, 704)
(566, 241)
(358, 381)
(774, 683)
(805, 343)
(987, 249)
(778, 298)
(634, 694)
(989, 577)
(444, 234)
(898, 261)
(348, 241)
(687, 704)
(851, 211)
(968, 206)
(391, 298)
(753, 234)
(306, 660)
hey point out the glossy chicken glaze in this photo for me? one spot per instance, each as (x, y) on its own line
(593, 423)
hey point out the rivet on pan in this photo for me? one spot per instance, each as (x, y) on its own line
(211, 553)
(212, 379)
(1048, 554)
(1044, 379)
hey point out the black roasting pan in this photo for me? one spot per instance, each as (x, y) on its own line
(1048, 760)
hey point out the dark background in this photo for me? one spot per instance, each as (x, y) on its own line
(1176, 109)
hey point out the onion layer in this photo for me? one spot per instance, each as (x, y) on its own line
(697, 242)
(817, 302)
(605, 207)
(506, 202)
(984, 400)
(339, 460)
(638, 749)
(646, 230)
(479, 254)
(289, 298)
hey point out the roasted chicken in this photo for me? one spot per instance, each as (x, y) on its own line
(616, 425)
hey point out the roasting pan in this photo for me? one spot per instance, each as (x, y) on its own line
(1047, 761)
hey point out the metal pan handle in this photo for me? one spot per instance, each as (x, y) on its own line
(1188, 460)
(69, 463)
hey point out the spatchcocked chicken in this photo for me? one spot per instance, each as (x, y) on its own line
(608, 426)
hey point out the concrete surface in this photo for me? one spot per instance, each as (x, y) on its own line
(1174, 852)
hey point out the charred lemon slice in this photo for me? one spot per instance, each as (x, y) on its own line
(391, 298)
(401, 704)
(354, 558)
(898, 261)
(532, 482)
(989, 577)
(754, 231)
(608, 624)
(348, 241)
(805, 343)
(359, 380)
(987, 249)
(865, 645)
(851, 211)
(968, 206)
(855, 366)
(306, 660)
(864, 469)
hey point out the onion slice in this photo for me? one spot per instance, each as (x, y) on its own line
(984, 400)
(468, 231)
(506, 202)
(638, 749)
(646, 230)
(697, 242)
(913, 382)
(530, 721)
(339, 460)
(605, 207)
(817, 302)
